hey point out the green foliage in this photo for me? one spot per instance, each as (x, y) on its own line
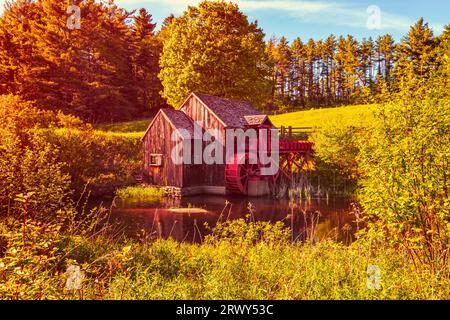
(405, 164)
(337, 145)
(105, 71)
(28, 162)
(102, 160)
(213, 49)
(138, 126)
(140, 193)
(240, 261)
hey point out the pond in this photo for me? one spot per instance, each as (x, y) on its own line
(184, 219)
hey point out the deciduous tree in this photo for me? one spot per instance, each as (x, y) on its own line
(213, 48)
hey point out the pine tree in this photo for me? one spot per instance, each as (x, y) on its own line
(310, 51)
(18, 53)
(86, 72)
(272, 71)
(298, 73)
(146, 53)
(283, 69)
(385, 48)
(416, 56)
(164, 33)
(444, 57)
(366, 60)
(328, 51)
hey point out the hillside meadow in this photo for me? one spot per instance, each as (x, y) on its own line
(353, 115)
(357, 115)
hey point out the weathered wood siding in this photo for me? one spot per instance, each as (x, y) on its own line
(200, 114)
(158, 140)
(204, 175)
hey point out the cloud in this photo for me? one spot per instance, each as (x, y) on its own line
(243, 4)
(315, 12)
(285, 5)
(342, 13)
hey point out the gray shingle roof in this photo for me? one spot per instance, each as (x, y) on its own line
(231, 112)
(180, 120)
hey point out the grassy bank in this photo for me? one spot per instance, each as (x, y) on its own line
(239, 261)
(140, 193)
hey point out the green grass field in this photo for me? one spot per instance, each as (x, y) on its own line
(348, 115)
(138, 126)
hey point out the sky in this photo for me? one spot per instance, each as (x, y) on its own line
(318, 19)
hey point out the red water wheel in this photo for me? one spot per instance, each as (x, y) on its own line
(239, 171)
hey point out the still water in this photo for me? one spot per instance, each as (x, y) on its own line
(184, 219)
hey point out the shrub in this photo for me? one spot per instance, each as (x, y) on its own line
(337, 147)
(405, 161)
(104, 161)
(28, 165)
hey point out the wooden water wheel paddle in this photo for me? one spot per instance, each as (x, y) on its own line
(239, 171)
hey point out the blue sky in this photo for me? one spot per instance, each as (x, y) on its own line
(318, 19)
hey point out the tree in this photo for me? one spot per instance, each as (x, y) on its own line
(328, 51)
(146, 54)
(87, 72)
(310, 51)
(385, 48)
(299, 72)
(283, 64)
(164, 33)
(214, 49)
(416, 55)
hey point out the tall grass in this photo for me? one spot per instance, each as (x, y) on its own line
(226, 270)
(241, 259)
(140, 193)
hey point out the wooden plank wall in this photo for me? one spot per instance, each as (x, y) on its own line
(159, 141)
(204, 175)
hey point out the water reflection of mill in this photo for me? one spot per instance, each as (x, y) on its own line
(184, 219)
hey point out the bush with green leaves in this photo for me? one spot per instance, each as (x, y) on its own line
(101, 160)
(405, 162)
(28, 162)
